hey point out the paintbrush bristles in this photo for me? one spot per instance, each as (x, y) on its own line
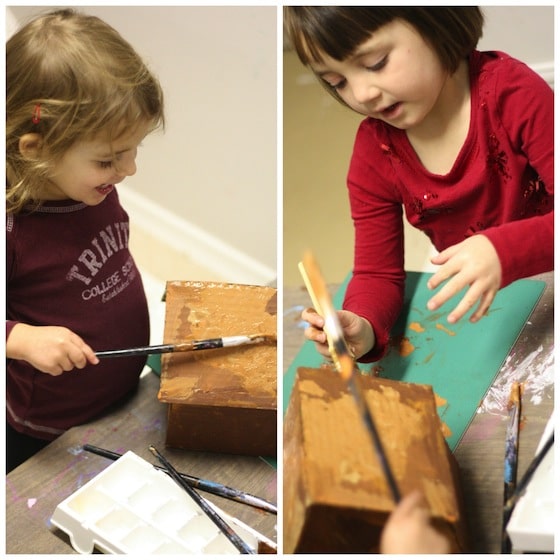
(346, 367)
(515, 395)
(310, 290)
(223, 342)
(321, 299)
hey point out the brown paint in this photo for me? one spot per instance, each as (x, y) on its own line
(228, 395)
(272, 305)
(335, 494)
(445, 430)
(443, 328)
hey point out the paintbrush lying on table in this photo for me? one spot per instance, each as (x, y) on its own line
(200, 483)
(191, 346)
(231, 535)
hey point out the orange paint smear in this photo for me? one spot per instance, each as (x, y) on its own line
(445, 430)
(515, 395)
(405, 347)
(416, 327)
(444, 329)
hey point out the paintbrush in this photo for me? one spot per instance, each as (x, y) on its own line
(511, 458)
(190, 346)
(527, 477)
(343, 359)
(232, 536)
(200, 483)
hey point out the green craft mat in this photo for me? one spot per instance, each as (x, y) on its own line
(459, 361)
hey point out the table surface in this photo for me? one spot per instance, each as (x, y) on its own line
(480, 454)
(35, 488)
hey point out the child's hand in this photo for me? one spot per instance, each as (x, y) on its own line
(474, 263)
(52, 350)
(408, 530)
(357, 331)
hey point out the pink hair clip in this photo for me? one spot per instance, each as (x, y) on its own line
(36, 119)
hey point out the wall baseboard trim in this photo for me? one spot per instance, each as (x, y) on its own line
(193, 242)
(545, 70)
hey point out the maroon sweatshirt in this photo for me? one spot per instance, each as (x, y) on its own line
(501, 185)
(68, 264)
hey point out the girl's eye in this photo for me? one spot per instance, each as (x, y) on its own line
(334, 83)
(338, 86)
(378, 65)
(105, 164)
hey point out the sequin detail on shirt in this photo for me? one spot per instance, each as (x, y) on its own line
(388, 151)
(497, 158)
(536, 197)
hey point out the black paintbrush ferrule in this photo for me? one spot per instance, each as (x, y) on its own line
(209, 486)
(232, 536)
(208, 344)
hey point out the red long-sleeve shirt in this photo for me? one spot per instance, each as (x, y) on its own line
(68, 265)
(501, 184)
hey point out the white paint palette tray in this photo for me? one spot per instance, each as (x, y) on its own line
(132, 508)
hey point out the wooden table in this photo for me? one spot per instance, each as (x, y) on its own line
(480, 454)
(35, 488)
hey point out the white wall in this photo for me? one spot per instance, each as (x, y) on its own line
(213, 172)
(533, 41)
(214, 168)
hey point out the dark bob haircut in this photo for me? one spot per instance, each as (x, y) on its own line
(453, 32)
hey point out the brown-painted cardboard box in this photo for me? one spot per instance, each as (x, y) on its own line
(222, 400)
(336, 498)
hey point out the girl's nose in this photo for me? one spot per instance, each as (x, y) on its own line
(126, 166)
(364, 91)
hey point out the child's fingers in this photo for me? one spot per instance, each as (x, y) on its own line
(446, 271)
(81, 353)
(411, 503)
(445, 255)
(90, 355)
(311, 316)
(483, 307)
(466, 303)
(453, 287)
(316, 335)
(474, 294)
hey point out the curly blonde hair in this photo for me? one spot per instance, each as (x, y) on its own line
(85, 79)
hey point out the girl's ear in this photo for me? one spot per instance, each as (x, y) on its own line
(30, 145)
